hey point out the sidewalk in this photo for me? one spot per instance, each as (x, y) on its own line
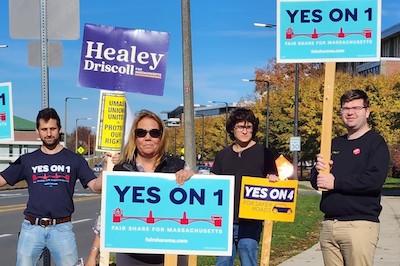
(388, 250)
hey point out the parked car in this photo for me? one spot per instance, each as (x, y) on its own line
(98, 167)
(203, 169)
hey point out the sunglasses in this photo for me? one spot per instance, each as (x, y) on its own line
(154, 133)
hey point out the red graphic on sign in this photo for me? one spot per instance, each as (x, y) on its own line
(367, 33)
(3, 116)
(118, 216)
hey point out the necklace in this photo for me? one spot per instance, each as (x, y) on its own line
(239, 150)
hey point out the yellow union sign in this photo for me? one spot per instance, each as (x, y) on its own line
(111, 121)
(261, 199)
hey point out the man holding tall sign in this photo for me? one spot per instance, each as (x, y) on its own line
(351, 196)
(341, 31)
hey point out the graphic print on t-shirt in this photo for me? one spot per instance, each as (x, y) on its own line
(51, 175)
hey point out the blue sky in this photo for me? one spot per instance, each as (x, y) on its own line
(226, 48)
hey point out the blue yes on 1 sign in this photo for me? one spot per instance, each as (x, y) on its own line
(328, 31)
(6, 112)
(150, 213)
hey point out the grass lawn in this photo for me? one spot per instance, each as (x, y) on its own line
(289, 239)
(392, 183)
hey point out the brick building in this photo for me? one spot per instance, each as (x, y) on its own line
(390, 56)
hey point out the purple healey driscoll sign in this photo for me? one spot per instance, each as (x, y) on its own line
(123, 59)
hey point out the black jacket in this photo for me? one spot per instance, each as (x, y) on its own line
(168, 164)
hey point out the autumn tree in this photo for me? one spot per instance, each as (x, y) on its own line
(384, 93)
(382, 90)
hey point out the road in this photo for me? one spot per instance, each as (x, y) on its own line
(12, 204)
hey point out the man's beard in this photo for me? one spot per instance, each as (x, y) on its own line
(51, 143)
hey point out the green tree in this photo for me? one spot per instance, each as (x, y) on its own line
(384, 93)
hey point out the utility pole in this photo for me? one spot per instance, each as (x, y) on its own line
(45, 83)
(44, 53)
(188, 102)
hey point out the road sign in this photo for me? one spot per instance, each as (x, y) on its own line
(63, 19)
(80, 150)
(295, 144)
(55, 54)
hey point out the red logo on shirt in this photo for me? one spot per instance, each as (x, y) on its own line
(356, 151)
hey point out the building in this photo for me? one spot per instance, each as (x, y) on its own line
(390, 56)
(25, 140)
(202, 110)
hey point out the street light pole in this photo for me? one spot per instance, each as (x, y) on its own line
(3, 45)
(65, 116)
(76, 131)
(90, 132)
(265, 25)
(267, 108)
(296, 106)
(296, 121)
(202, 138)
(202, 141)
(226, 118)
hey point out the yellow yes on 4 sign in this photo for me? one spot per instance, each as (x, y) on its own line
(261, 199)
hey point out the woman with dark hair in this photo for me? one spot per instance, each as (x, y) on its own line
(244, 158)
(145, 152)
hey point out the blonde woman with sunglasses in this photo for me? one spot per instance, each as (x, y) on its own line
(145, 152)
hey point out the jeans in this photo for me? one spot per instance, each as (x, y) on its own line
(247, 249)
(59, 239)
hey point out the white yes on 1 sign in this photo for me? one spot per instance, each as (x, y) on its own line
(295, 144)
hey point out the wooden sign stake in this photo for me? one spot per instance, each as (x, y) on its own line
(104, 259)
(192, 260)
(326, 133)
(266, 243)
(170, 260)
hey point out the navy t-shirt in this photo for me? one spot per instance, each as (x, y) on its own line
(51, 181)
